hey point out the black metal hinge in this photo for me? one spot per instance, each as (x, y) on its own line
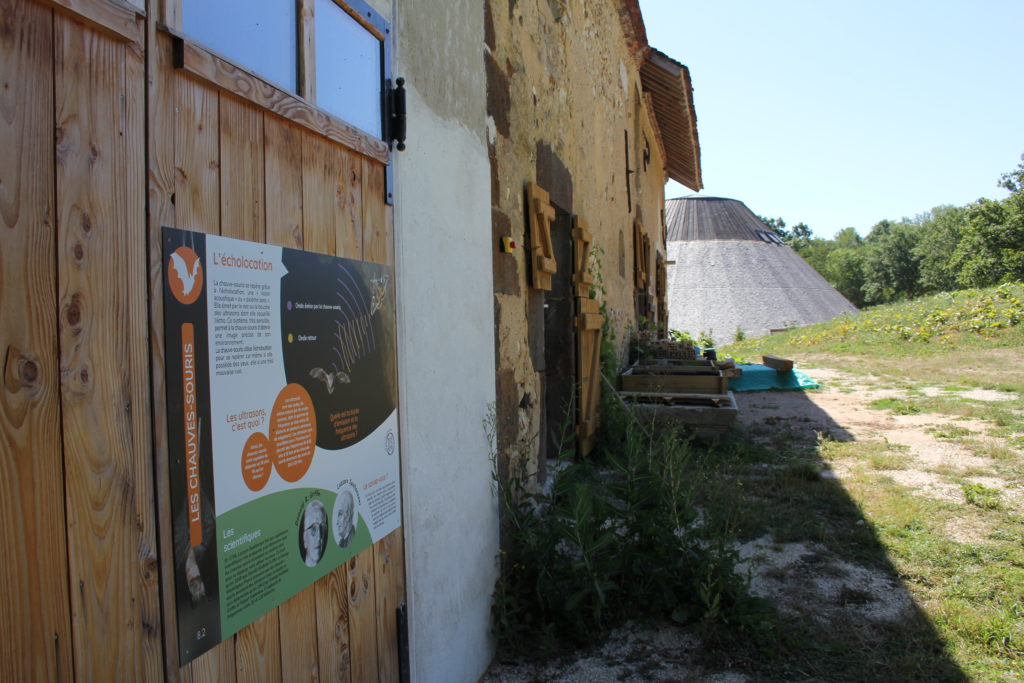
(404, 670)
(396, 115)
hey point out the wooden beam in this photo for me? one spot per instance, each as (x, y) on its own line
(113, 17)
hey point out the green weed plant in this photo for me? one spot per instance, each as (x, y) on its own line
(615, 536)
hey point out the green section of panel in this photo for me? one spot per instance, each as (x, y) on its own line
(261, 560)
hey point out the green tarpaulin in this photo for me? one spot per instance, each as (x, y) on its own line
(758, 377)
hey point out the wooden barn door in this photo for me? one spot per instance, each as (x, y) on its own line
(588, 339)
(90, 91)
(231, 161)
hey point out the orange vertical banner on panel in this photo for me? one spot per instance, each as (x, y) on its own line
(188, 391)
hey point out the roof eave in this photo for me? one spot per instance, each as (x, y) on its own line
(669, 83)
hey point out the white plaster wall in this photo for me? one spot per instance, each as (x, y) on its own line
(446, 339)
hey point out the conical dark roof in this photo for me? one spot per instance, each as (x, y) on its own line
(712, 218)
(731, 272)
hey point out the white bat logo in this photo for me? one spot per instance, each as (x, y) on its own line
(188, 280)
(329, 378)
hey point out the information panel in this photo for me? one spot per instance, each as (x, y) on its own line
(281, 420)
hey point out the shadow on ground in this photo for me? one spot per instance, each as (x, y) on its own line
(840, 609)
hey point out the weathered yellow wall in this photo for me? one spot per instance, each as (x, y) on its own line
(560, 73)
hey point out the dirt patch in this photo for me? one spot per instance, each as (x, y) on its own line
(807, 581)
(928, 484)
(632, 653)
(988, 395)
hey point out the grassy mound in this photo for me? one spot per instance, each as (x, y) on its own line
(971, 318)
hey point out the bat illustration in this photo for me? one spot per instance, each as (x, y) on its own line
(329, 378)
(188, 280)
(380, 290)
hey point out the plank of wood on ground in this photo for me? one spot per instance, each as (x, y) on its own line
(780, 364)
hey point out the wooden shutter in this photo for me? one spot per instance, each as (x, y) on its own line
(661, 291)
(641, 246)
(542, 252)
(582, 279)
(589, 323)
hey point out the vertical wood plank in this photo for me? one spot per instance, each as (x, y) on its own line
(377, 234)
(389, 579)
(197, 207)
(257, 646)
(35, 629)
(242, 213)
(283, 200)
(321, 174)
(215, 665)
(196, 157)
(161, 186)
(332, 629)
(282, 143)
(362, 606)
(298, 627)
(258, 650)
(388, 553)
(134, 181)
(104, 380)
(349, 205)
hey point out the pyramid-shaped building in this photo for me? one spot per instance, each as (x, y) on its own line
(728, 271)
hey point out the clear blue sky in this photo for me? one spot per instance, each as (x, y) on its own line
(845, 113)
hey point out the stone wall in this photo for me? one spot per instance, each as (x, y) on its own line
(564, 104)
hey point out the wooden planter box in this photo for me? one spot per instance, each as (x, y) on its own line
(675, 379)
(708, 418)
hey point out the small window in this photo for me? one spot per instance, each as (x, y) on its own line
(343, 74)
(257, 34)
(348, 68)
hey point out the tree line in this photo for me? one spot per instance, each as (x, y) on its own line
(950, 247)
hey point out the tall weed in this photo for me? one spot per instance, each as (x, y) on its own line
(616, 536)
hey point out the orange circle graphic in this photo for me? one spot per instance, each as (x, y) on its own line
(185, 275)
(292, 432)
(257, 457)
